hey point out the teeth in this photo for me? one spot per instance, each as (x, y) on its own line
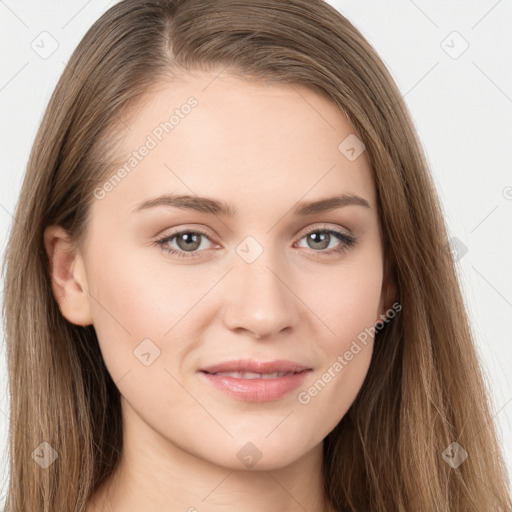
(252, 375)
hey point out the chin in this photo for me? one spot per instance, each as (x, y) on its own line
(260, 452)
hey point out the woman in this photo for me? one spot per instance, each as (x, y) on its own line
(228, 282)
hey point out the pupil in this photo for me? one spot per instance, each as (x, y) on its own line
(191, 241)
(320, 238)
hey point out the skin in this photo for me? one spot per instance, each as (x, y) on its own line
(263, 149)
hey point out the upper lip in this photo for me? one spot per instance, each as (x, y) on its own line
(248, 365)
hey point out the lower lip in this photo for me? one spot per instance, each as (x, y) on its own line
(256, 390)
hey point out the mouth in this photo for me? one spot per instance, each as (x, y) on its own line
(254, 381)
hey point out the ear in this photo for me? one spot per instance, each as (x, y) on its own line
(388, 293)
(67, 275)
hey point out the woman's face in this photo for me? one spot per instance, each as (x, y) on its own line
(255, 283)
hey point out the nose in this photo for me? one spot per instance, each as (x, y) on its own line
(260, 301)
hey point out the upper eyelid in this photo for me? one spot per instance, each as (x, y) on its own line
(305, 232)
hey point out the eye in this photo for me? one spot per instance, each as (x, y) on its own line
(190, 242)
(320, 239)
(187, 241)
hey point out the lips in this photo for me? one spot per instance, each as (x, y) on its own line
(255, 381)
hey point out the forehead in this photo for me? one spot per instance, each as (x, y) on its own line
(220, 135)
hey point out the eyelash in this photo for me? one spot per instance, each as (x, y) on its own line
(349, 241)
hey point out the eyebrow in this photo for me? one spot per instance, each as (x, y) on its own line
(215, 207)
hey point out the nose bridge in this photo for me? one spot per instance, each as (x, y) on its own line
(259, 298)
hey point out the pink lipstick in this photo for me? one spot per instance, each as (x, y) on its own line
(255, 381)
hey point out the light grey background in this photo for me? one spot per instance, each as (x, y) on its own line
(460, 99)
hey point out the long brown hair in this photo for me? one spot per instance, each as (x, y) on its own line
(424, 389)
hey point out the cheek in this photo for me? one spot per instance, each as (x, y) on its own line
(348, 307)
(345, 300)
(131, 302)
(141, 292)
(354, 306)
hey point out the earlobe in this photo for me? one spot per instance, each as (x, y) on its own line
(67, 276)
